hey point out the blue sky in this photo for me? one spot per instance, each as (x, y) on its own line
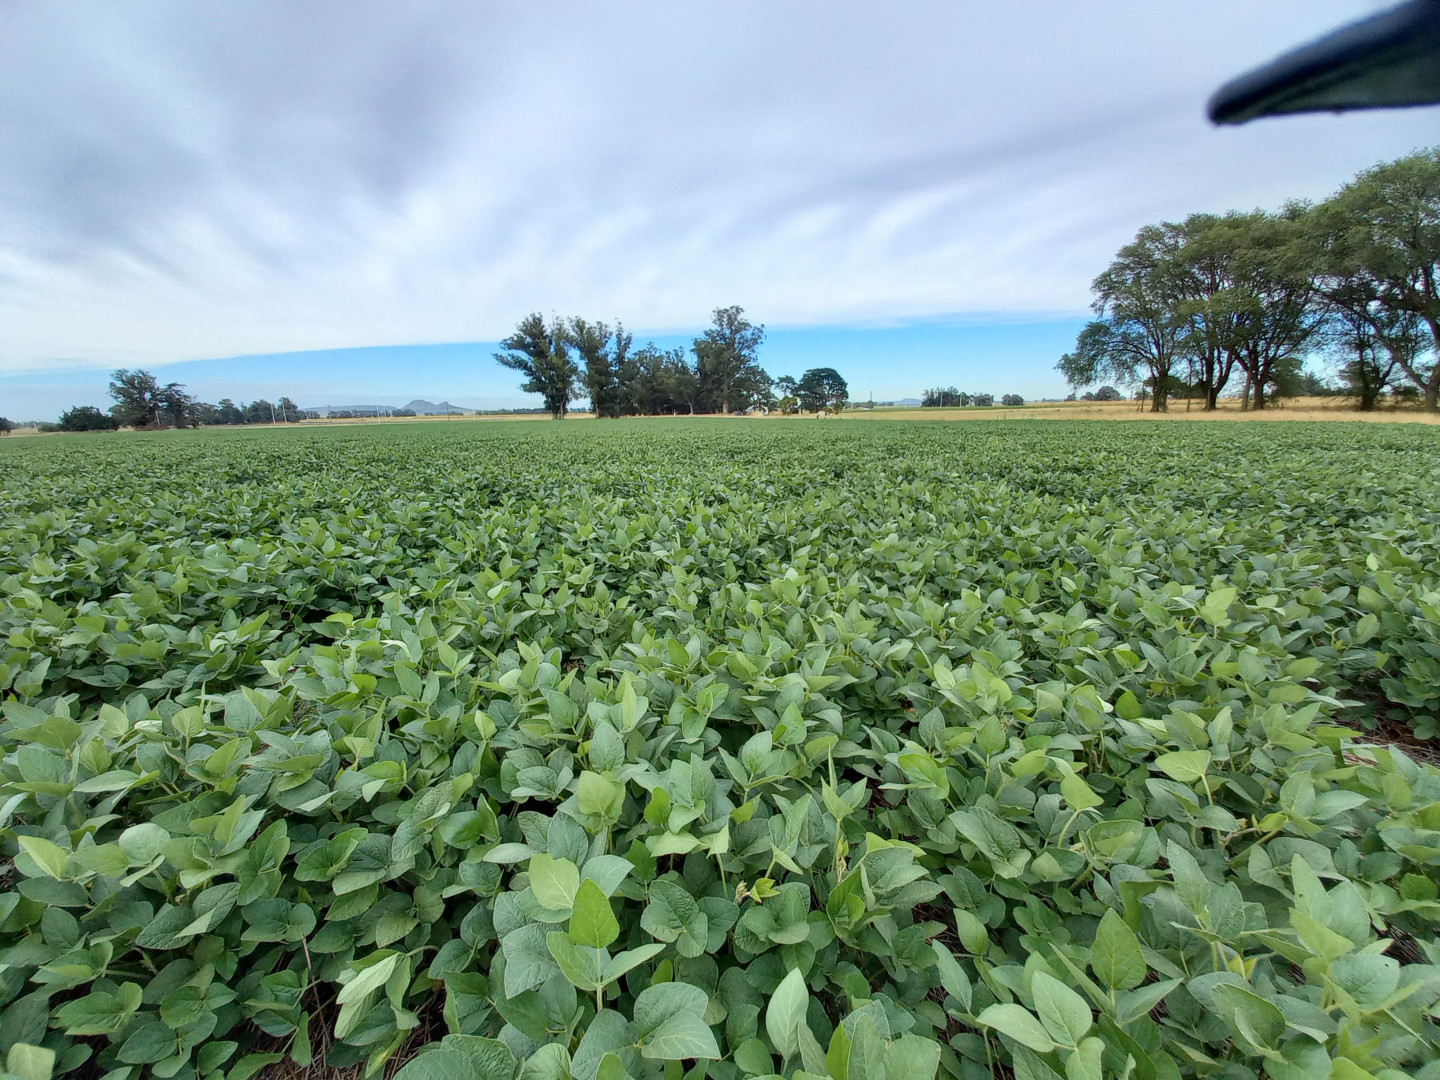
(912, 193)
(893, 361)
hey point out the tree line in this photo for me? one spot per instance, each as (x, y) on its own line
(143, 403)
(1241, 300)
(948, 397)
(564, 360)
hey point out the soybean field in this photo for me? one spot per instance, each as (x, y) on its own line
(721, 748)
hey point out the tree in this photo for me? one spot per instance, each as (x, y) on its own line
(288, 412)
(1378, 241)
(603, 355)
(87, 418)
(176, 406)
(727, 361)
(1274, 300)
(822, 390)
(983, 401)
(1369, 345)
(539, 352)
(943, 397)
(141, 402)
(1139, 328)
(1012, 400)
(137, 398)
(787, 394)
(1206, 285)
(6, 426)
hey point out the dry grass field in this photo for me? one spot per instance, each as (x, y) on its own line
(1305, 408)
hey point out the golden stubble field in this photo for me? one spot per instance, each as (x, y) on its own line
(1305, 408)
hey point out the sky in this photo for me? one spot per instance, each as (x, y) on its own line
(352, 202)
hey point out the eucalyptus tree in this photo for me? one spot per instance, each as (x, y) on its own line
(727, 361)
(1378, 246)
(1138, 335)
(538, 350)
(603, 355)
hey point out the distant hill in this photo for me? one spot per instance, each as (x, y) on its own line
(421, 407)
(908, 401)
(356, 410)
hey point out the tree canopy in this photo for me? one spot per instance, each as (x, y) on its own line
(822, 390)
(540, 351)
(1188, 305)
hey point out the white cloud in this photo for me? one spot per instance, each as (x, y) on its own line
(197, 181)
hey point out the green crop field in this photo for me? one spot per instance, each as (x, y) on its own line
(722, 748)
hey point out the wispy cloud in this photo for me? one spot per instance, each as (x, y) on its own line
(186, 181)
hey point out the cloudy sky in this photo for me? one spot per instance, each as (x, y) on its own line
(917, 192)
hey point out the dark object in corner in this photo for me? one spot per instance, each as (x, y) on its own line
(1389, 60)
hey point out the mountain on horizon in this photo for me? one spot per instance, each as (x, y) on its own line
(421, 407)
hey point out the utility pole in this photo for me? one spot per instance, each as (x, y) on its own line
(272, 415)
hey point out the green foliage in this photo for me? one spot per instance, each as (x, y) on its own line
(718, 749)
(86, 418)
(822, 390)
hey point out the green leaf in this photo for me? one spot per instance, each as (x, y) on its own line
(49, 857)
(1018, 1023)
(786, 1012)
(1256, 1022)
(1116, 956)
(1186, 766)
(1064, 1012)
(952, 976)
(670, 1022)
(1078, 793)
(593, 921)
(456, 1056)
(910, 1056)
(599, 796)
(378, 968)
(26, 1062)
(554, 882)
(684, 1035)
(100, 1012)
(583, 966)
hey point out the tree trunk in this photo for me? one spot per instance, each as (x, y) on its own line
(1432, 392)
(1259, 396)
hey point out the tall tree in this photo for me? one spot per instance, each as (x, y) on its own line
(1138, 333)
(539, 352)
(603, 356)
(727, 359)
(288, 411)
(137, 398)
(177, 407)
(1207, 296)
(141, 402)
(1379, 244)
(821, 390)
(1277, 310)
